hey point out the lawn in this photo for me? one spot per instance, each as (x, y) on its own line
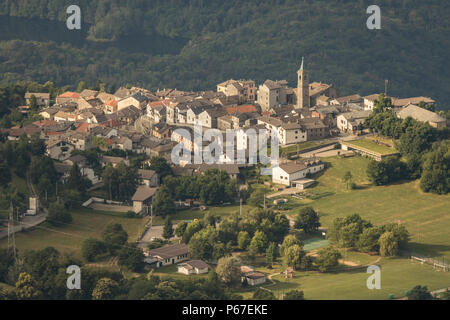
(372, 146)
(397, 276)
(425, 215)
(86, 223)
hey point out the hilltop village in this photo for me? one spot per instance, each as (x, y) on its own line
(91, 153)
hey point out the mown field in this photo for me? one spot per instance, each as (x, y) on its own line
(68, 238)
(398, 275)
(426, 215)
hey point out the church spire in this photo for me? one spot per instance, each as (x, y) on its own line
(301, 66)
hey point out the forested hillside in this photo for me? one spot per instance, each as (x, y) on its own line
(196, 44)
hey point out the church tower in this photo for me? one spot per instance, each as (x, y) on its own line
(302, 88)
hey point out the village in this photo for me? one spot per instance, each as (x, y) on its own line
(134, 127)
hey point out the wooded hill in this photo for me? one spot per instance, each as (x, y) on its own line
(199, 43)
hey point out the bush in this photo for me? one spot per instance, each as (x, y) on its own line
(91, 249)
(58, 214)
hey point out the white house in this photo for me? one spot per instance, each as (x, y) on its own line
(288, 173)
(193, 267)
(350, 121)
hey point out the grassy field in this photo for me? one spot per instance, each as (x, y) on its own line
(397, 276)
(425, 215)
(371, 145)
(192, 214)
(86, 223)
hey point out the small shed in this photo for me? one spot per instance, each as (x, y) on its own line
(193, 267)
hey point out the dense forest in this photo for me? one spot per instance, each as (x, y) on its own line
(196, 44)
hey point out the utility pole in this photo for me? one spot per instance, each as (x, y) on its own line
(11, 237)
(385, 86)
(240, 207)
(264, 201)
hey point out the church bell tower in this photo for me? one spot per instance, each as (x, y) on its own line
(302, 88)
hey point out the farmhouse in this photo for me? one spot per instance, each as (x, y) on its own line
(142, 198)
(193, 267)
(289, 173)
(166, 255)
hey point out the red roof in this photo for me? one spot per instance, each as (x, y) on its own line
(112, 103)
(45, 123)
(69, 94)
(156, 103)
(266, 113)
(242, 109)
(83, 127)
(54, 133)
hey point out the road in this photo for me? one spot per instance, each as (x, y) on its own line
(152, 232)
(26, 223)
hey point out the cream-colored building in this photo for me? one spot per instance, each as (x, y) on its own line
(244, 90)
(272, 94)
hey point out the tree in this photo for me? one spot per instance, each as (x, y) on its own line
(77, 181)
(308, 220)
(368, 240)
(163, 204)
(420, 293)
(294, 295)
(271, 253)
(160, 165)
(435, 177)
(114, 237)
(347, 178)
(180, 229)
(168, 229)
(81, 86)
(228, 269)
(256, 198)
(388, 244)
(288, 241)
(33, 103)
(293, 256)
(106, 289)
(327, 259)
(131, 257)
(191, 229)
(58, 215)
(243, 240)
(261, 294)
(259, 243)
(92, 248)
(202, 243)
(26, 288)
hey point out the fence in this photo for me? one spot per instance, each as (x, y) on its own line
(439, 265)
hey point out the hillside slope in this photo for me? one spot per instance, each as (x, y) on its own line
(196, 44)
